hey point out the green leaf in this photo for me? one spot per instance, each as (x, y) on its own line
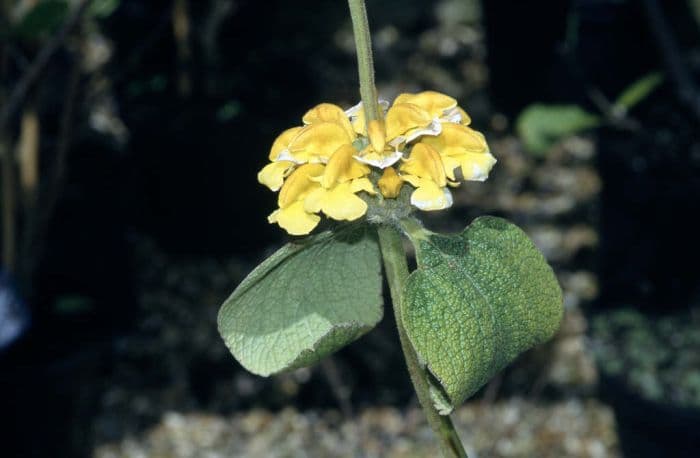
(541, 126)
(638, 91)
(103, 8)
(307, 300)
(476, 301)
(43, 18)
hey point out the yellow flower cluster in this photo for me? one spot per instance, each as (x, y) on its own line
(423, 139)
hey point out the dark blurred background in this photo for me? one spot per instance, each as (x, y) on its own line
(131, 134)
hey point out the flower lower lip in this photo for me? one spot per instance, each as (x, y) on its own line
(386, 161)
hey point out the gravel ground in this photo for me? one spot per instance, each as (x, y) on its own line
(512, 428)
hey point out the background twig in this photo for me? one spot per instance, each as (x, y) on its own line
(14, 100)
(686, 88)
(38, 221)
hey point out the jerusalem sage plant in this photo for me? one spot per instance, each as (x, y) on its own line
(476, 299)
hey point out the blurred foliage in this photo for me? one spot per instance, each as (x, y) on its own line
(695, 9)
(657, 357)
(103, 8)
(638, 91)
(541, 126)
(44, 18)
(229, 110)
(455, 12)
(73, 304)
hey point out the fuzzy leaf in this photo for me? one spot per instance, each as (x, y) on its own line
(307, 300)
(476, 301)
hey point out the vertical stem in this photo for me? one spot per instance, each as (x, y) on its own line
(396, 270)
(36, 223)
(687, 91)
(181, 32)
(9, 202)
(392, 248)
(365, 65)
(7, 198)
(28, 157)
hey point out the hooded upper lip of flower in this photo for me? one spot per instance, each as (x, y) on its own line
(327, 127)
(410, 117)
(322, 165)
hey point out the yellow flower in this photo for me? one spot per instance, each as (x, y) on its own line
(291, 214)
(425, 171)
(461, 147)
(326, 129)
(403, 123)
(341, 180)
(324, 165)
(439, 106)
(356, 114)
(329, 188)
(273, 174)
(435, 158)
(390, 183)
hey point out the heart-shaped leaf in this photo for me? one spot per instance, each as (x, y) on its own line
(304, 302)
(476, 301)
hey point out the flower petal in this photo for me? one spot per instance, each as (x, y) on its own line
(318, 141)
(282, 142)
(354, 110)
(340, 203)
(450, 164)
(465, 119)
(314, 200)
(362, 184)
(299, 184)
(403, 117)
(294, 219)
(428, 196)
(435, 103)
(381, 161)
(435, 128)
(456, 139)
(327, 112)
(476, 166)
(273, 174)
(377, 135)
(456, 115)
(356, 114)
(343, 167)
(390, 183)
(412, 179)
(285, 155)
(425, 162)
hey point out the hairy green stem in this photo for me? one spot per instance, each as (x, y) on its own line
(396, 270)
(392, 249)
(365, 65)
